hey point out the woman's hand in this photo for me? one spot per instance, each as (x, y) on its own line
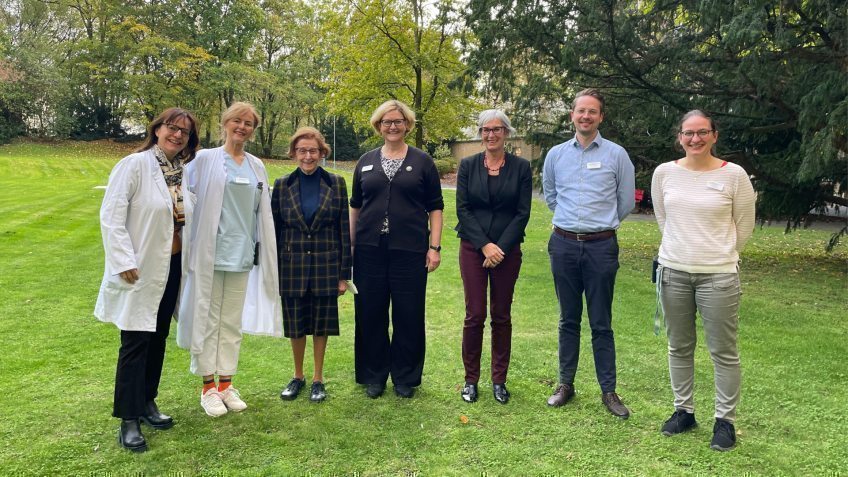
(342, 287)
(494, 255)
(130, 276)
(434, 258)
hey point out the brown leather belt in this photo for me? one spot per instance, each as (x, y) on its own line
(584, 237)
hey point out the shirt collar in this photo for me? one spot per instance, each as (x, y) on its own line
(597, 141)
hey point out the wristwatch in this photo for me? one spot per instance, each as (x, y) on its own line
(437, 248)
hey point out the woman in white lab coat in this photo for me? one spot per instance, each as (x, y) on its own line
(231, 284)
(141, 221)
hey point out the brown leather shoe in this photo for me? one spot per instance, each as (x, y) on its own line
(614, 405)
(563, 394)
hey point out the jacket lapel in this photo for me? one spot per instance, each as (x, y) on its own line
(324, 200)
(159, 177)
(294, 200)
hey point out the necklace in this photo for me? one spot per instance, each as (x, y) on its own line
(492, 169)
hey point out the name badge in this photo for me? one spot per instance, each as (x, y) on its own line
(593, 165)
(367, 168)
(715, 185)
(242, 180)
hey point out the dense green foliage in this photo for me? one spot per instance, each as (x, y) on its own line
(772, 73)
(59, 365)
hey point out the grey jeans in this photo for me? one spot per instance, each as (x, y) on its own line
(716, 297)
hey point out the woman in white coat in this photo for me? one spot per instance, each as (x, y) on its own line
(141, 220)
(231, 280)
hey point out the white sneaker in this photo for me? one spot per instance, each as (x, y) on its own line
(212, 402)
(232, 400)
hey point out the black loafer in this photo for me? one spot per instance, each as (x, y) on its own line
(292, 389)
(155, 419)
(374, 391)
(404, 391)
(501, 393)
(130, 436)
(469, 392)
(317, 393)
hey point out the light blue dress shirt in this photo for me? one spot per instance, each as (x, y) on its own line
(234, 244)
(589, 190)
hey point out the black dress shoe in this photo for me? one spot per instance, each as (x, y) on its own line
(317, 393)
(374, 390)
(469, 392)
(500, 392)
(155, 419)
(292, 389)
(130, 436)
(404, 391)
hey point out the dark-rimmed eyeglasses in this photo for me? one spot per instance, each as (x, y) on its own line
(494, 130)
(387, 123)
(174, 128)
(701, 133)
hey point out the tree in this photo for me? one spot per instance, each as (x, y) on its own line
(772, 73)
(405, 50)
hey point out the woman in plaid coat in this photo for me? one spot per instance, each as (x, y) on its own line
(310, 211)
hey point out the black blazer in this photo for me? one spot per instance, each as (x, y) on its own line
(501, 221)
(415, 191)
(312, 256)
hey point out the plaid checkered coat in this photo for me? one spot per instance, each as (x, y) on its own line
(316, 256)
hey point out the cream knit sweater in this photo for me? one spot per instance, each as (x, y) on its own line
(705, 217)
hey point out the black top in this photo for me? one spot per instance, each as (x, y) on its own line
(501, 217)
(310, 190)
(407, 199)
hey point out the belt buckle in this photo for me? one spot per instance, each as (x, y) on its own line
(579, 238)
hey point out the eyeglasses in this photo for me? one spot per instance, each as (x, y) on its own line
(302, 151)
(174, 129)
(386, 123)
(701, 133)
(494, 130)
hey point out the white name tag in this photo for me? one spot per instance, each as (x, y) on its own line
(715, 185)
(367, 168)
(242, 180)
(593, 165)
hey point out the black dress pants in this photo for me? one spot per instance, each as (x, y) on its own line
(142, 353)
(385, 277)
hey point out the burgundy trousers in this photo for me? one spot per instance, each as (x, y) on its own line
(475, 281)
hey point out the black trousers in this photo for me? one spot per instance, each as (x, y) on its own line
(142, 353)
(385, 276)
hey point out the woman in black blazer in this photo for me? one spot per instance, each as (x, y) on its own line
(396, 227)
(311, 219)
(493, 194)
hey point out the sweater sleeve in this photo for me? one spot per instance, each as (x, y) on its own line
(657, 197)
(744, 209)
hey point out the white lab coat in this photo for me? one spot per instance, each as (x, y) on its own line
(137, 224)
(206, 177)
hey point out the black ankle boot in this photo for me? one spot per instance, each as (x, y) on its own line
(155, 419)
(130, 436)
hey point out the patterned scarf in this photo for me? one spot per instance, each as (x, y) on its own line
(173, 172)
(390, 168)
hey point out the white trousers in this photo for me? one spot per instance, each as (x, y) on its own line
(222, 336)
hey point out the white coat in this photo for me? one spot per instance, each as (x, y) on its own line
(206, 177)
(137, 224)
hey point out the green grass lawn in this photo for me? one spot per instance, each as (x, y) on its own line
(58, 365)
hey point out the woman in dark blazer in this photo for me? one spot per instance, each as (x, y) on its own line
(493, 194)
(397, 194)
(310, 213)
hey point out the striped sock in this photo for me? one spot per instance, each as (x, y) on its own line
(224, 383)
(207, 385)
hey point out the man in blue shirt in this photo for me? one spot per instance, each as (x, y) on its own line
(589, 184)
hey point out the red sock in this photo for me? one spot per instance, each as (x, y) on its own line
(223, 384)
(207, 385)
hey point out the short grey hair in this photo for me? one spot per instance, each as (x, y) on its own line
(492, 114)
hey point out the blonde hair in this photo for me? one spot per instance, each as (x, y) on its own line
(389, 106)
(235, 110)
(307, 132)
